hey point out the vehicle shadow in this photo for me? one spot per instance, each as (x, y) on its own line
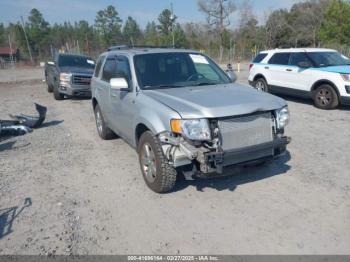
(309, 102)
(6, 146)
(78, 98)
(238, 176)
(51, 123)
(8, 215)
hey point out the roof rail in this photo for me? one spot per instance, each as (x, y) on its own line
(124, 47)
(118, 47)
(152, 46)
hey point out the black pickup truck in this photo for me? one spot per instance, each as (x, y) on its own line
(69, 75)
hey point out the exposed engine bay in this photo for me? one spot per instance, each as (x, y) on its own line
(243, 140)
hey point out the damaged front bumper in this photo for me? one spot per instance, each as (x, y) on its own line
(203, 162)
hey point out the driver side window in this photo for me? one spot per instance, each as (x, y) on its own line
(297, 58)
(109, 70)
(206, 71)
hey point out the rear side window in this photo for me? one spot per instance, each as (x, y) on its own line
(259, 58)
(280, 59)
(296, 58)
(98, 66)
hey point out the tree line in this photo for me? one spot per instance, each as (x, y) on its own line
(310, 23)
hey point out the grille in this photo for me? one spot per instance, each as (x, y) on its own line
(245, 131)
(81, 80)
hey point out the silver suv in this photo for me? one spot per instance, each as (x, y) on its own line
(183, 114)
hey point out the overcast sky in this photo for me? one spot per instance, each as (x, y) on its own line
(142, 10)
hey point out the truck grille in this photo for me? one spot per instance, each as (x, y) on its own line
(245, 131)
(81, 80)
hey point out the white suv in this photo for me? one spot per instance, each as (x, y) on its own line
(320, 74)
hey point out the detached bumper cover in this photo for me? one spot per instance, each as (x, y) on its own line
(247, 154)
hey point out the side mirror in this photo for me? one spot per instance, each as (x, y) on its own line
(51, 63)
(119, 84)
(231, 75)
(304, 65)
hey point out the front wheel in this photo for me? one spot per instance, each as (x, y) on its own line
(56, 93)
(261, 85)
(158, 174)
(325, 97)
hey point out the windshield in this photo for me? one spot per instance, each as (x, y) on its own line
(322, 59)
(78, 61)
(167, 70)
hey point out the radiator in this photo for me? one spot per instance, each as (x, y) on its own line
(245, 131)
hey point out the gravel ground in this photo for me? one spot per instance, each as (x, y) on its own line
(65, 191)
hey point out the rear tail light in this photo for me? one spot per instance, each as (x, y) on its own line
(251, 66)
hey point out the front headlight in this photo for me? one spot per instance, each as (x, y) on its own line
(346, 77)
(282, 117)
(64, 77)
(193, 129)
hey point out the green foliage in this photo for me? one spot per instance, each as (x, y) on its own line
(151, 34)
(307, 23)
(38, 31)
(2, 34)
(166, 21)
(108, 24)
(132, 32)
(335, 27)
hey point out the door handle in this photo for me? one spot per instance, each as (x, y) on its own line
(289, 70)
(266, 67)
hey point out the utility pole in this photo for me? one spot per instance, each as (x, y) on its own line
(25, 35)
(172, 23)
(10, 44)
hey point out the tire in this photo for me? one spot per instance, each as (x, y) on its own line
(162, 176)
(56, 94)
(325, 97)
(102, 129)
(49, 88)
(261, 85)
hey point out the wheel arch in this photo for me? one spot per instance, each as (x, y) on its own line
(94, 102)
(324, 82)
(139, 130)
(257, 76)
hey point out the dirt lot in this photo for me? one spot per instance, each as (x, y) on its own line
(65, 191)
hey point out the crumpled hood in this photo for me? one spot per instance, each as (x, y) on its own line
(216, 100)
(77, 70)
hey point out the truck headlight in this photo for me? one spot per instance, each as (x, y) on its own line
(65, 78)
(282, 117)
(193, 129)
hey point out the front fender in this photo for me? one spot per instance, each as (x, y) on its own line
(154, 115)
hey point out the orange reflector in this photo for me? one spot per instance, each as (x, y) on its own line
(176, 126)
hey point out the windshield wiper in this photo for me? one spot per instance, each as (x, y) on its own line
(161, 86)
(203, 84)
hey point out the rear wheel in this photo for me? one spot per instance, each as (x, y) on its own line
(103, 130)
(261, 85)
(158, 174)
(325, 97)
